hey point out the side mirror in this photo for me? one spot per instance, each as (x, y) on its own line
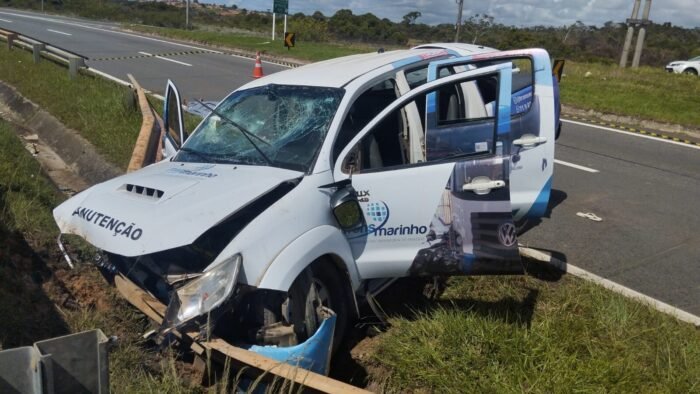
(346, 209)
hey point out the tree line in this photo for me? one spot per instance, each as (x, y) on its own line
(578, 41)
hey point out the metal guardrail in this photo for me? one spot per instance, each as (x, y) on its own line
(40, 49)
(74, 61)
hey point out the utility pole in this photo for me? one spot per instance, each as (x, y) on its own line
(632, 23)
(187, 14)
(460, 4)
(642, 35)
(630, 34)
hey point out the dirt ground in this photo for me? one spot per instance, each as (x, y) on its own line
(31, 297)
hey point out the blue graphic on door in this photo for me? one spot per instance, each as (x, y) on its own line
(377, 212)
(471, 233)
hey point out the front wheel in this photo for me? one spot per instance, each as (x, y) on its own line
(290, 319)
(690, 71)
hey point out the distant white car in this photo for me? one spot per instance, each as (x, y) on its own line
(691, 66)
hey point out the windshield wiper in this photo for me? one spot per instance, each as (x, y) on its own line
(247, 134)
(197, 153)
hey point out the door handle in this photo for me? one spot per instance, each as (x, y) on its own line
(530, 141)
(482, 185)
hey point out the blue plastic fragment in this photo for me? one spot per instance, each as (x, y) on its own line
(313, 355)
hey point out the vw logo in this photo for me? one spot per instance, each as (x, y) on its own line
(506, 234)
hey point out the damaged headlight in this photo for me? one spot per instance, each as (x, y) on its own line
(203, 294)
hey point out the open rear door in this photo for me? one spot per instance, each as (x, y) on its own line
(173, 120)
(448, 214)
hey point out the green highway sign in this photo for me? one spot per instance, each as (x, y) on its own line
(280, 6)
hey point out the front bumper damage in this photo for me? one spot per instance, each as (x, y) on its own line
(180, 319)
(313, 355)
(202, 294)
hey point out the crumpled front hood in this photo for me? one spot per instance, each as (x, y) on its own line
(163, 206)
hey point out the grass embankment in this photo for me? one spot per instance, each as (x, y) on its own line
(24, 198)
(645, 93)
(521, 334)
(96, 108)
(40, 299)
(311, 51)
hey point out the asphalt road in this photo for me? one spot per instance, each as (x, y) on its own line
(645, 190)
(202, 73)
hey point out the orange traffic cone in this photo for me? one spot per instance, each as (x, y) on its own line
(257, 71)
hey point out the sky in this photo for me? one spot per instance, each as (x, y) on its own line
(518, 13)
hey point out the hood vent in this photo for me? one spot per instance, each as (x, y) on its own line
(143, 191)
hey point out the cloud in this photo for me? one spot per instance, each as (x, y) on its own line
(518, 13)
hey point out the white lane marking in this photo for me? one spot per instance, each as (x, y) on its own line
(576, 166)
(166, 59)
(631, 133)
(5, 20)
(110, 31)
(610, 285)
(59, 32)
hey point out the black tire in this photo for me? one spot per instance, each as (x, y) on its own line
(320, 283)
(558, 132)
(690, 71)
(325, 273)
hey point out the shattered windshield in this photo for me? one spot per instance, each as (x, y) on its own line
(274, 125)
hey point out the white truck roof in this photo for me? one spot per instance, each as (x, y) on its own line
(340, 71)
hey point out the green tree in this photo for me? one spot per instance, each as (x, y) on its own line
(411, 17)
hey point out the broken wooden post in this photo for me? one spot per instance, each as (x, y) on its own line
(36, 50)
(146, 148)
(74, 64)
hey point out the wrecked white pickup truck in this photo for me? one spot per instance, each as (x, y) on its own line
(314, 186)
